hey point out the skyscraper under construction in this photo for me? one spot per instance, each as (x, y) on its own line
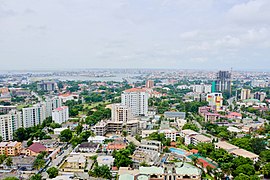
(223, 82)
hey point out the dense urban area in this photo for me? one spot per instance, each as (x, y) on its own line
(135, 125)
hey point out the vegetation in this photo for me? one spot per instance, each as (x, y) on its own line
(160, 137)
(36, 177)
(52, 172)
(65, 135)
(101, 171)
(191, 126)
(39, 161)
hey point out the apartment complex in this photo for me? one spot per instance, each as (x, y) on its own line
(33, 116)
(51, 104)
(10, 148)
(215, 100)
(137, 100)
(46, 86)
(223, 82)
(9, 123)
(121, 113)
(60, 115)
(149, 84)
(245, 94)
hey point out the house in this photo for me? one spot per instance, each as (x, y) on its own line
(105, 160)
(35, 149)
(174, 115)
(97, 139)
(88, 147)
(169, 133)
(150, 157)
(58, 131)
(115, 146)
(74, 163)
(23, 162)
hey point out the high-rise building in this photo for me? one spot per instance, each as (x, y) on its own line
(60, 115)
(51, 104)
(137, 100)
(149, 84)
(33, 116)
(46, 86)
(245, 94)
(260, 96)
(215, 100)
(121, 113)
(9, 123)
(223, 81)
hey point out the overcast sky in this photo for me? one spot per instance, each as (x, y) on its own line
(185, 34)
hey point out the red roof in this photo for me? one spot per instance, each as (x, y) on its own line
(135, 90)
(37, 147)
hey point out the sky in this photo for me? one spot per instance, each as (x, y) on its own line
(182, 34)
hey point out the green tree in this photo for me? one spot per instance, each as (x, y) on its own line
(266, 170)
(9, 161)
(124, 132)
(20, 135)
(122, 158)
(241, 177)
(66, 135)
(191, 126)
(29, 143)
(265, 156)
(52, 172)
(246, 169)
(101, 171)
(36, 177)
(2, 158)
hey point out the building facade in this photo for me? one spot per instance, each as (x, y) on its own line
(33, 116)
(60, 115)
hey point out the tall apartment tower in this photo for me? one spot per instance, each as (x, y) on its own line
(245, 94)
(223, 82)
(9, 123)
(51, 104)
(137, 100)
(33, 116)
(121, 113)
(60, 115)
(149, 84)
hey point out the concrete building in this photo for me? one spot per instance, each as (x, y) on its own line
(6, 109)
(60, 115)
(169, 133)
(174, 115)
(33, 116)
(51, 104)
(245, 94)
(223, 82)
(149, 84)
(137, 100)
(215, 100)
(9, 123)
(121, 113)
(10, 148)
(46, 86)
(260, 96)
(101, 128)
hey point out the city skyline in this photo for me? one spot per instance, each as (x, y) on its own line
(161, 34)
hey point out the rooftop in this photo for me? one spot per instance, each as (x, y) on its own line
(225, 145)
(37, 147)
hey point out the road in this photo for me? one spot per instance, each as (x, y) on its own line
(56, 162)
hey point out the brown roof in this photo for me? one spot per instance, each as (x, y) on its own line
(37, 147)
(135, 90)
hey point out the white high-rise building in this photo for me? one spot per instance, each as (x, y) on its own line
(51, 104)
(9, 123)
(121, 113)
(33, 116)
(245, 94)
(137, 100)
(60, 115)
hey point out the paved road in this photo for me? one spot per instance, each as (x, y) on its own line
(60, 158)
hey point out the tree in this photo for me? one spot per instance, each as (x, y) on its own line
(9, 161)
(29, 143)
(191, 126)
(36, 177)
(20, 135)
(2, 158)
(265, 156)
(122, 158)
(101, 171)
(241, 177)
(52, 172)
(246, 169)
(266, 170)
(66, 135)
(124, 132)
(144, 164)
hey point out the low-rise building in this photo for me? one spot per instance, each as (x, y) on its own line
(74, 163)
(10, 148)
(174, 115)
(35, 149)
(97, 139)
(105, 160)
(87, 147)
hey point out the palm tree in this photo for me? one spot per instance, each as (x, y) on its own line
(9, 161)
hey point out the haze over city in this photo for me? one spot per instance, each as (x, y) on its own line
(205, 34)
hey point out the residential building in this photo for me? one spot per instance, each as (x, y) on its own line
(87, 147)
(137, 100)
(10, 148)
(97, 139)
(6, 109)
(33, 116)
(149, 84)
(115, 146)
(100, 128)
(105, 160)
(223, 82)
(260, 96)
(215, 101)
(9, 123)
(121, 113)
(174, 115)
(35, 149)
(169, 133)
(46, 86)
(74, 163)
(58, 131)
(51, 104)
(245, 94)
(149, 157)
(60, 115)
